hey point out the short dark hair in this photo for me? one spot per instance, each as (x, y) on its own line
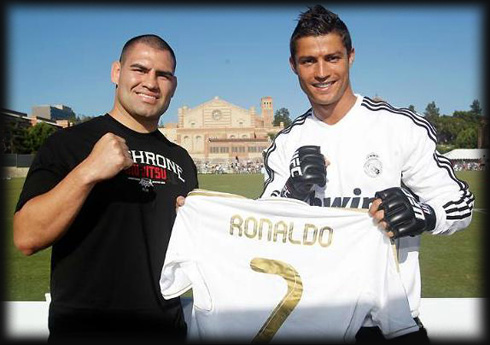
(318, 21)
(151, 40)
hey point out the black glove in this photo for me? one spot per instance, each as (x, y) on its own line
(307, 169)
(404, 215)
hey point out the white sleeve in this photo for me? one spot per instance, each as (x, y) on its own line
(174, 279)
(431, 177)
(392, 311)
(276, 167)
(180, 270)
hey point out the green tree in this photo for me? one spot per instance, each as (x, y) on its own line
(468, 116)
(36, 135)
(444, 148)
(431, 112)
(411, 107)
(282, 115)
(14, 137)
(467, 138)
(476, 108)
(448, 128)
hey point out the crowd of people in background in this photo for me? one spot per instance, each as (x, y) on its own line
(232, 167)
(463, 165)
(254, 167)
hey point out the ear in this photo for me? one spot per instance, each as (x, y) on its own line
(115, 72)
(351, 57)
(293, 65)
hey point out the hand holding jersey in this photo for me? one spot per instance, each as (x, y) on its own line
(396, 210)
(400, 214)
(307, 168)
(404, 152)
(179, 201)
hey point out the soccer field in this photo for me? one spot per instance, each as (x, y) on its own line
(452, 266)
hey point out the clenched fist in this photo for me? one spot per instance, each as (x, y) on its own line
(109, 156)
(400, 214)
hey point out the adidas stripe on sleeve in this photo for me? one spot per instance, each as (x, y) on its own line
(424, 171)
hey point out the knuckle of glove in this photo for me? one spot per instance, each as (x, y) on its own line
(400, 215)
(390, 192)
(394, 205)
(395, 219)
(403, 222)
(314, 171)
(391, 199)
(314, 178)
(317, 157)
(312, 167)
(308, 149)
(313, 162)
(312, 156)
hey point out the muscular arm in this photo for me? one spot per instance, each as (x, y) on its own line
(46, 217)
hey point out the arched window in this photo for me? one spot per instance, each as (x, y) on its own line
(186, 142)
(199, 143)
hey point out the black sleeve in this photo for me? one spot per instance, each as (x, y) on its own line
(46, 171)
(193, 181)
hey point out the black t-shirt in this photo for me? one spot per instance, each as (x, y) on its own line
(110, 258)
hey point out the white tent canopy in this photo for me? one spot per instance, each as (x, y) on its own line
(467, 154)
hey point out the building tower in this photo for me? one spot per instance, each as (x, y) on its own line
(267, 110)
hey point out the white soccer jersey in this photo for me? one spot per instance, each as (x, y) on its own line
(375, 147)
(280, 270)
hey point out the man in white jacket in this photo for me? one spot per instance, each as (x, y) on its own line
(354, 152)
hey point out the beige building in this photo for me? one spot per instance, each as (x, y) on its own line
(218, 132)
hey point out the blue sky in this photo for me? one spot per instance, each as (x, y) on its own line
(407, 55)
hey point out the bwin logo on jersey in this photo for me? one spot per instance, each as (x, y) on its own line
(373, 166)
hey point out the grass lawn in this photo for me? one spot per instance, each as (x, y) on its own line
(451, 266)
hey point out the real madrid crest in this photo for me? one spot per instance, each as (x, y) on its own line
(373, 166)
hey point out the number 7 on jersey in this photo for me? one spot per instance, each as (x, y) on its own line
(289, 301)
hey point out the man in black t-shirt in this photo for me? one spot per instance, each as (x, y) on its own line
(103, 195)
